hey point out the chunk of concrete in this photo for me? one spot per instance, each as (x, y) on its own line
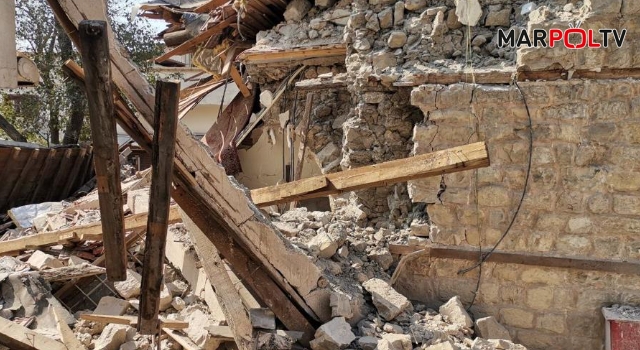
(296, 10)
(446, 345)
(42, 261)
(387, 300)
(323, 245)
(111, 306)
(368, 343)
(333, 335)
(129, 288)
(468, 12)
(395, 342)
(490, 328)
(138, 201)
(113, 336)
(340, 305)
(198, 323)
(455, 313)
(75, 260)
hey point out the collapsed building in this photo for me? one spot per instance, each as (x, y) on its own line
(368, 115)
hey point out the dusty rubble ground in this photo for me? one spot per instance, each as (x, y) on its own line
(365, 311)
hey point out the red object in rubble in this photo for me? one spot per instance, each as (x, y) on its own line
(622, 327)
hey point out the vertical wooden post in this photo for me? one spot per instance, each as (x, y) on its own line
(304, 130)
(163, 153)
(94, 48)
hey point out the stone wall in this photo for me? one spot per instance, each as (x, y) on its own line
(583, 199)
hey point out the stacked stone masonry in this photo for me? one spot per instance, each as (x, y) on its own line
(583, 199)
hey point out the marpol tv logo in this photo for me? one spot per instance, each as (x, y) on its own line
(573, 38)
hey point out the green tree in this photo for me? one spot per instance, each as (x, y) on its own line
(58, 103)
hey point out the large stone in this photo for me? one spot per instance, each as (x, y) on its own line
(138, 201)
(395, 342)
(296, 10)
(468, 12)
(262, 318)
(490, 328)
(382, 60)
(397, 39)
(323, 245)
(198, 323)
(455, 312)
(500, 18)
(340, 305)
(113, 336)
(111, 306)
(323, 4)
(129, 288)
(415, 5)
(368, 343)
(333, 335)
(493, 344)
(42, 261)
(387, 300)
(382, 256)
(398, 13)
(165, 298)
(338, 16)
(385, 18)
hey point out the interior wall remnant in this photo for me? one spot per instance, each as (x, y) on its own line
(8, 58)
(581, 200)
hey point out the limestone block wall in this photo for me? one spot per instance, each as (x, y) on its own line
(583, 199)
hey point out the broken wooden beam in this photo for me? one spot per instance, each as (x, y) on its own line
(17, 337)
(270, 56)
(133, 321)
(66, 334)
(66, 273)
(95, 58)
(225, 291)
(10, 130)
(91, 231)
(447, 161)
(188, 45)
(217, 205)
(631, 267)
(303, 130)
(163, 153)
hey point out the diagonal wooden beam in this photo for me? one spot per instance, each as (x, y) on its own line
(198, 39)
(448, 161)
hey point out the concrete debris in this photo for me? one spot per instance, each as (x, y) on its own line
(456, 313)
(395, 342)
(333, 335)
(113, 336)
(387, 300)
(296, 10)
(367, 343)
(40, 261)
(490, 328)
(129, 288)
(111, 306)
(340, 305)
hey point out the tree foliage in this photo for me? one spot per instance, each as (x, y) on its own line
(57, 104)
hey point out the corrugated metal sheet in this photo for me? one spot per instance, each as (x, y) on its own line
(35, 175)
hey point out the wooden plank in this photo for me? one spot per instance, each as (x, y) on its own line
(17, 337)
(163, 153)
(188, 45)
(283, 87)
(10, 130)
(249, 270)
(25, 174)
(185, 342)
(91, 231)
(75, 171)
(95, 58)
(70, 272)
(280, 193)
(221, 211)
(522, 258)
(47, 172)
(233, 71)
(226, 293)
(133, 321)
(289, 55)
(220, 332)
(66, 334)
(302, 131)
(8, 171)
(447, 161)
(211, 5)
(61, 174)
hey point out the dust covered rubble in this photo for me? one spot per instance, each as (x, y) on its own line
(358, 265)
